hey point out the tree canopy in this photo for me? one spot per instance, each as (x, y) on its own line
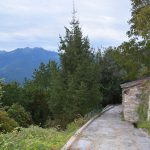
(140, 20)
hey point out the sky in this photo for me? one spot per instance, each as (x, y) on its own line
(38, 23)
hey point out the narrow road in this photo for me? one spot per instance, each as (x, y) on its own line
(110, 132)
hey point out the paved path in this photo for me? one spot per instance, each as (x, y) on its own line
(109, 132)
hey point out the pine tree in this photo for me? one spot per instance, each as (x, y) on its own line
(56, 92)
(78, 70)
(41, 76)
(74, 47)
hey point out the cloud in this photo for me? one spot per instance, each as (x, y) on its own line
(39, 22)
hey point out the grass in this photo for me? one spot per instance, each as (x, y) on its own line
(36, 138)
(122, 117)
(144, 125)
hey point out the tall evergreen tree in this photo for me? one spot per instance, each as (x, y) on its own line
(41, 76)
(78, 71)
(74, 48)
(56, 92)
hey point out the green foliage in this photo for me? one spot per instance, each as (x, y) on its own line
(109, 75)
(144, 125)
(7, 124)
(75, 48)
(12, 94)
(1, 91)
(142, 111)
(78, 73)
(34, 138)
(20, 115)
(41, 76)
(36, 103)
(140, 20)
(143, 108)
(56, 93)
(133, 59)
(43, 95)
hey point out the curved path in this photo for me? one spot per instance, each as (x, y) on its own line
(109, 132)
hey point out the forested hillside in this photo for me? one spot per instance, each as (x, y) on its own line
(20, 63)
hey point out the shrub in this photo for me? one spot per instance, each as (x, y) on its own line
(7, 124)
(20, 115)
(37, 138)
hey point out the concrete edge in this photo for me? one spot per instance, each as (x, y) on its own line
(78, 132)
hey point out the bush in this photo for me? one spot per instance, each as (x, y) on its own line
(7, 124)
(64, 124)
(37, 138)
(20, 115)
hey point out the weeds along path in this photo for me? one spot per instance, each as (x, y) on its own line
(110, 132)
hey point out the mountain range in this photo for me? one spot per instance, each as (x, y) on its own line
(20, 63)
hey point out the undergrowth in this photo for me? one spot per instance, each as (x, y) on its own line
(36, 138)
(143, 109)
(144, 125)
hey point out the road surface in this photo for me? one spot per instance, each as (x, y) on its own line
(110, 132)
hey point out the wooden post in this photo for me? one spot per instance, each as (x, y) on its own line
(148, 115)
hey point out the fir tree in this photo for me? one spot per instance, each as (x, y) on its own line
(78, 70)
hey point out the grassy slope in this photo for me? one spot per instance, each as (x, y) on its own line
(36, 138)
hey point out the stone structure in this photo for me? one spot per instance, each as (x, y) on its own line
(131, 94)
(148, 116)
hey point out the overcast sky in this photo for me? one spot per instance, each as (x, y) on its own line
(38, 23)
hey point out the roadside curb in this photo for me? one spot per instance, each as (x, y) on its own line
(78, 132)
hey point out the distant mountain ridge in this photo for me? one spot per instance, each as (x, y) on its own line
(21, 62)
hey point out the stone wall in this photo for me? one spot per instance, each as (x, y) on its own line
(148, 116)
(131, 101)
(131, 94)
